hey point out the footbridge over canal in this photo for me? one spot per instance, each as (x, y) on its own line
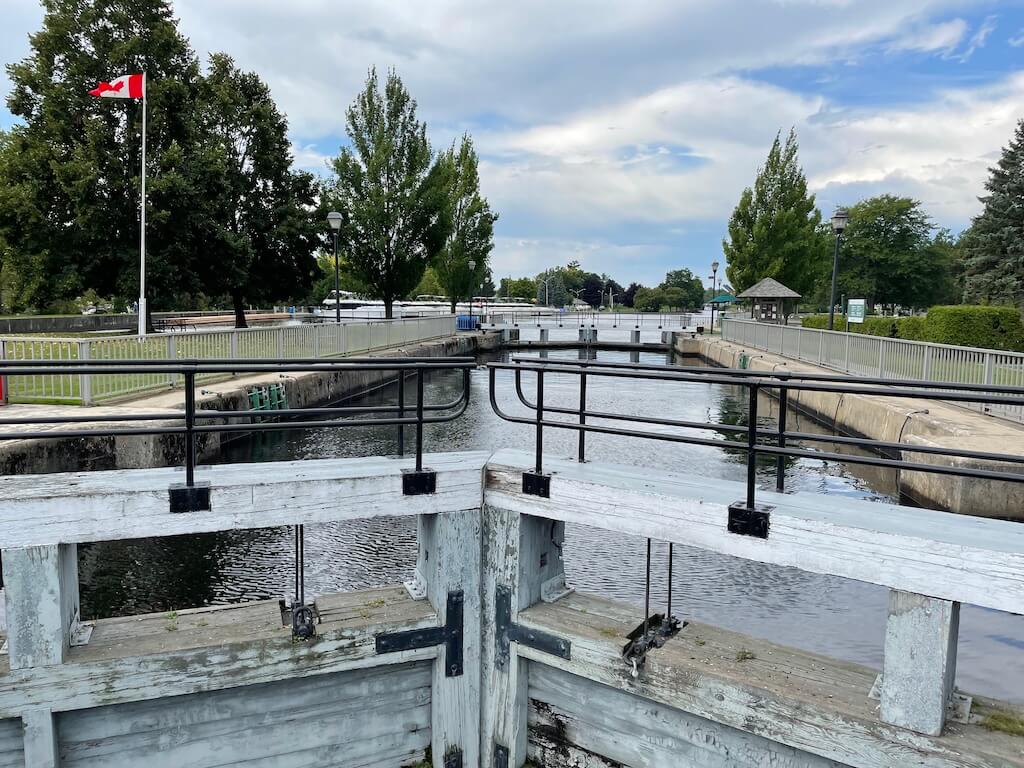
(486, 657)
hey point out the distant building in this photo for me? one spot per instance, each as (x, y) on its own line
(768, 300)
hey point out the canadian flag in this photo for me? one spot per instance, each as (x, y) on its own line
(124, 87)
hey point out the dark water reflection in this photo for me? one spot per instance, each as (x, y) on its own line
(837, 617)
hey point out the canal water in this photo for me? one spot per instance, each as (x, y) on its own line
(836, 617)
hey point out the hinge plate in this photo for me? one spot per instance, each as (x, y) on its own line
(508, 631)
(418, 483)
(450, 635)
(189, 498)
(500, 756)
(745, 521)
(537, 485)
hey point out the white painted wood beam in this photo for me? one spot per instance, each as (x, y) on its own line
(941, 555)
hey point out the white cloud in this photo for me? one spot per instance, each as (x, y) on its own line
(1017, 40)
(934, 37)
(979, 38)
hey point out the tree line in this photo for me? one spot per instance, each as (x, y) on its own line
(228, 218)
(892, 254)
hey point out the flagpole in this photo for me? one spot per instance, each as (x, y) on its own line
(142, 236)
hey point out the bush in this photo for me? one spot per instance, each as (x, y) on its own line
(976, 326)
(966, 326)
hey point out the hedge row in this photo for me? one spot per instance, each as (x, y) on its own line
(963, 325)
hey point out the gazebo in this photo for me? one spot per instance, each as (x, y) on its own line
(767, 300)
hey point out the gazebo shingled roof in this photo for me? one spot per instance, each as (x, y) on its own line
(769, 288)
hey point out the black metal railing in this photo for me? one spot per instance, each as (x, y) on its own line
(752, 439)
(193, 420)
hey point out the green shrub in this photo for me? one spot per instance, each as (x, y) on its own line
(912, 328)
(820, 321)
(976, 326)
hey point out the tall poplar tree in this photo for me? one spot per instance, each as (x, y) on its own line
(471, 231)
(392, 195)
(773, 230)
(994, 245)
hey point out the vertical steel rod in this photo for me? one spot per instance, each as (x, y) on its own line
(419, 419)
(401, 413)
(751, 446)
(583, 418)
(190, 424)
(540, 419)
(647, 591)
(668, 612)
(780, 461)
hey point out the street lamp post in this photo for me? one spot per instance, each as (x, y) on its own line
(714, 292)
(839, 219)
(334, 219)
(547, 296)
(472, 282)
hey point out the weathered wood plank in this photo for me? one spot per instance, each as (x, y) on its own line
(124, 504)
(813, 704)
(12, 752)
(449, 562)
(40, 731)
(41, 603)
(350, 718)
(611, 727)
(947, 556)
(178, 662)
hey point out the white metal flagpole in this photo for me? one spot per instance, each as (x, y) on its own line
(142, 236)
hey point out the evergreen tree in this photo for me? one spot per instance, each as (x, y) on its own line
(471, 234)
(260, 235)
(691, 287)
(773, 230)
(994, 245)
(394, 197)
(69, 172)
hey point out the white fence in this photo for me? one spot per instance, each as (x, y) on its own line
(885, 358)
(281, 342)
(627, 320)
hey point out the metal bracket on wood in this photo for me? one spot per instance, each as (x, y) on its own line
(535, 484)
(508, 631)
(650, 634)
(747, 521)
(500, 756)
(450, 635)
(418, 482)
(453, 758)
(189, 498)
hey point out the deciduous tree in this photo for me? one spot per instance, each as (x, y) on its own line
(394, 195)
(773, 230)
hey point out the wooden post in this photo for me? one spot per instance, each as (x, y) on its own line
(41, 590)
(41, 749)
(920, 661)
(449, 561)
(521, 554)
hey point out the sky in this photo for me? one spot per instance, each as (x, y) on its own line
(621, 134)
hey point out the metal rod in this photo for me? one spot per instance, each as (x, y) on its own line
(751, 447)
(540, 420)
(647, 591)
(419, 421)
(401, 413)
(190, 424)
(668, 611)
(583, 417)
(780, 461)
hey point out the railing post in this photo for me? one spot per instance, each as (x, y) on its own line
(881, 357)
(280, 343)
(752, 447)
(799, 343)
(316, 340)
(919, 668)
(84, 379)
(4, 391)
(233, 345)
(419, 419)
(190, 423)
(401, 412)
(581, 448)
(821, 342)
(780, 461)
(846, 366)
(926, 368)
(539, 446)
(989, 368)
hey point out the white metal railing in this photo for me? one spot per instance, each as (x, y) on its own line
(884, 358)
(281, 342)
(627, 320)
